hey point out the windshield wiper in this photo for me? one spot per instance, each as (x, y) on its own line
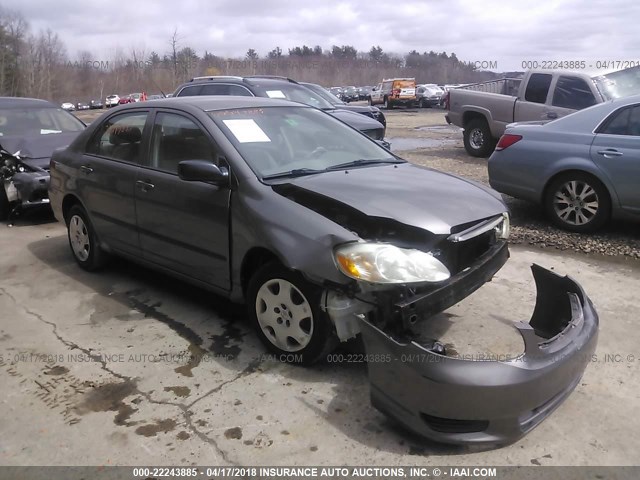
(359, 163)
(297, 172)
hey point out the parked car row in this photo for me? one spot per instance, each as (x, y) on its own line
(72, 107)
(350, 93)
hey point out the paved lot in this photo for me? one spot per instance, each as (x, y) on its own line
(128, 367)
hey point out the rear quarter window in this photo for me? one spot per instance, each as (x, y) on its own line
(190, 91)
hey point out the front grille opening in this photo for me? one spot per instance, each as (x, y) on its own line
(39, 195)
(461, 255)
(451, 425)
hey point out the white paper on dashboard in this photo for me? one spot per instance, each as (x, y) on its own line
(246, 130)
(275, 94)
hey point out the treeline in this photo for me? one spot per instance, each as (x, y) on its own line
(38, 65)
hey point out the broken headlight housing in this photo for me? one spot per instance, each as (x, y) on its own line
(384, 263)
(10, 165)
(503, 228)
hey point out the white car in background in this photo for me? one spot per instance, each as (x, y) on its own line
(112, 101)
(69, 107)
(428, 96)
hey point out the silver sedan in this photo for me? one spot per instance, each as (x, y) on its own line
(583, 169)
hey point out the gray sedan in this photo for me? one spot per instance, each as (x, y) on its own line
(324, 235)
(583, 168)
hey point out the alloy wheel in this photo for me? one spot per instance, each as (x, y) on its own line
(576, 202)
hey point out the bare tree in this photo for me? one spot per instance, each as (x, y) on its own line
(175, 40)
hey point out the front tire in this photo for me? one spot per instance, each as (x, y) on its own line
(578, 202)
(83, 240)
(285, 311)
(478, 141)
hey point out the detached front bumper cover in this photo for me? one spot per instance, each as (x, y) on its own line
(460, 401)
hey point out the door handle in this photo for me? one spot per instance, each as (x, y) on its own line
(552, 115)
(145, 186)
(86, 169)
(610, 152)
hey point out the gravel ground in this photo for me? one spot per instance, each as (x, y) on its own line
(444, 151)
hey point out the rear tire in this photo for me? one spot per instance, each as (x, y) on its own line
(478, 141)
(83, 240)
(285, 311)
(577, 202)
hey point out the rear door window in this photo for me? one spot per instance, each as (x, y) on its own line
(623, 122)
(538, 87)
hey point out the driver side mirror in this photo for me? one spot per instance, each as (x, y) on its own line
(203, 171)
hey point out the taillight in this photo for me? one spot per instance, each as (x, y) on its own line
(447, 100)
(52, 164)
(507, 140)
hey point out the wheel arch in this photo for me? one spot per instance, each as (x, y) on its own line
(69, 201)
(474, 114)
(253, 259)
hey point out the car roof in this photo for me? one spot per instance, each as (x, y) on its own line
(23, 102)
(216, 102)
(249, 80)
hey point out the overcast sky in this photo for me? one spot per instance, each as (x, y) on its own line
(507, 33)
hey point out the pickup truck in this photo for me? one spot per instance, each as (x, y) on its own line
(484, 110)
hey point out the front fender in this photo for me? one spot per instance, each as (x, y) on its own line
(577, 164)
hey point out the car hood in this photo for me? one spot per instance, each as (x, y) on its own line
(356, 120)
(355, 108)
(36, 150)
(411, 195)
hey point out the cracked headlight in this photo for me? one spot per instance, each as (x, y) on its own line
(382, 263)
(503, 228)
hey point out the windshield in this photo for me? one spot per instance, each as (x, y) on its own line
(619, 84)
(276, 140)
(25, 122)
(328, 96)
(295, 93)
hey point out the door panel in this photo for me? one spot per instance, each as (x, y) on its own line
(106, 179)
(534, 106)
(183, 225)
(616, 150)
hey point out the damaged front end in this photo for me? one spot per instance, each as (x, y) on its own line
(25, 183)
(456, 400)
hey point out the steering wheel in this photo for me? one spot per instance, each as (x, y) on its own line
(263, 156)
(317, 152)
